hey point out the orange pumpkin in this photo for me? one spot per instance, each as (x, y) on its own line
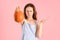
(19, 16)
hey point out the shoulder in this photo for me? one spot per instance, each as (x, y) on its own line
(24, 21)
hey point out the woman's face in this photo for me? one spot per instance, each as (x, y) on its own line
(29, 12)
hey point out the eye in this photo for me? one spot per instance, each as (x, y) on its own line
(30, 11)
(27, 11)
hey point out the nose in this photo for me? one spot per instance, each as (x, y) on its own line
(28, 12)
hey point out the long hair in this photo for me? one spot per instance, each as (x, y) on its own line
(34, 11)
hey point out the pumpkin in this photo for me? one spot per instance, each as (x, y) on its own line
(19, 16)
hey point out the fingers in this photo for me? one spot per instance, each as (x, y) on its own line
(18, 8)
(44, 20)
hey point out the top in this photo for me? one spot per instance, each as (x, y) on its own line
(29, 31)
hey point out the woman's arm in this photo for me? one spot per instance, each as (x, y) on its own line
(22, 22)
(39, 29)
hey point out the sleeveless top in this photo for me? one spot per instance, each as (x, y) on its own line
(29, 31)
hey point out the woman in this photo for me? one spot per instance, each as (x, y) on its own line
(32, 29)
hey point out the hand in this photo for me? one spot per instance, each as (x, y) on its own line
(43, 21)
(18, 8)
(40, 22)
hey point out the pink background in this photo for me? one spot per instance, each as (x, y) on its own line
(11, 30)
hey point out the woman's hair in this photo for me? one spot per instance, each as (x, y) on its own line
(34, 11)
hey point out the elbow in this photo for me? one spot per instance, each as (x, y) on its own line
(39, 35)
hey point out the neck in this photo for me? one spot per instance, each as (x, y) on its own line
(30, 18)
